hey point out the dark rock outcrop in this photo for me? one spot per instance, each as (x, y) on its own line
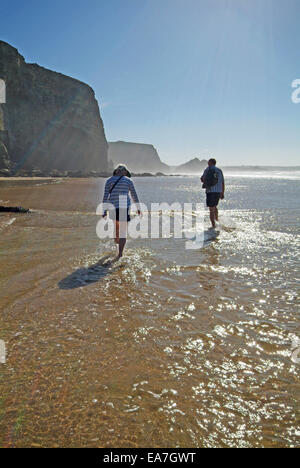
(138, 157)
(50, 122)
(193, 166)
(13, 209)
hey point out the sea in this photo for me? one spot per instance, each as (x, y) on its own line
(167, 347)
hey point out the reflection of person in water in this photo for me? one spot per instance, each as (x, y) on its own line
(117, 189)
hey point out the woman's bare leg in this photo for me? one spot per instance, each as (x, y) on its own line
(122, 237)
(117, 231)
(122, 244)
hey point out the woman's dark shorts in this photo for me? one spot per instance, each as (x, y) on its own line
(212, 199)
(115, 215)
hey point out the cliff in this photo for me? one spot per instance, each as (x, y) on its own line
(49, 122)
(137, 156)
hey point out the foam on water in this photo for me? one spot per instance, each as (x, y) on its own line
(4, 223)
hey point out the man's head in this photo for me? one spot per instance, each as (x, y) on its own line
(212, 162)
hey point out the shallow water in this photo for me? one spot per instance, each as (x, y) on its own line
(168, 347)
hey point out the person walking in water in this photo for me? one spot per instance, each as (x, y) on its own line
(116, 192)
(214, 183)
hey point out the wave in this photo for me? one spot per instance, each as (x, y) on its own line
(289, 175)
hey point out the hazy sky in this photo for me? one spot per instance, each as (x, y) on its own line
(192, 77)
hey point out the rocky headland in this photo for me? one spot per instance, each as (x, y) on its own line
(50, 124)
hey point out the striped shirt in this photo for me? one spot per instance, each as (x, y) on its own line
(119, 197)
(218, 188)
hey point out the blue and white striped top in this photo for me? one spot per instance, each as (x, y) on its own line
(122, 189)
(218, 188)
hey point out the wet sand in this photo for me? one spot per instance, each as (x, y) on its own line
(166, 348)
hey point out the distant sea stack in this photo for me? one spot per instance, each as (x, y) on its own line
(193, 166)
(50, 122)
(138, 157)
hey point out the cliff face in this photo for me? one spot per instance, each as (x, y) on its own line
(137, 156)
(50, 121)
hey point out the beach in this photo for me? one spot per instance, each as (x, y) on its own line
(168, 347)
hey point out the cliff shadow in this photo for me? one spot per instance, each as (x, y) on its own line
(86, 276)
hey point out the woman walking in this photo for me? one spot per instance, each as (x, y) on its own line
(117, 189)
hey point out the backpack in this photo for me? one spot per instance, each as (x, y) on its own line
(211, 178)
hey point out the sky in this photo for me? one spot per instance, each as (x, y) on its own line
(195, 78)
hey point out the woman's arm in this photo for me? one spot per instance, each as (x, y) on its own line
(106, 193)
(135, 197)
(105, 196)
